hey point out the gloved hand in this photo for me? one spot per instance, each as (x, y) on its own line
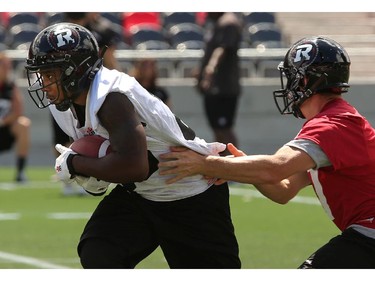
(63, 164)
(92, 185)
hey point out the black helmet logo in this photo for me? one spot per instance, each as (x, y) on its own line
(63, 39)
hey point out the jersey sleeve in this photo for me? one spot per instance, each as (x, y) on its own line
(341, 138)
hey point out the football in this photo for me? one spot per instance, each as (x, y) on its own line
(94, 146)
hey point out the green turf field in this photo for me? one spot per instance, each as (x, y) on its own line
(39, 228)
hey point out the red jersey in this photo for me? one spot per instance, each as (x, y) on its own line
(346, 189)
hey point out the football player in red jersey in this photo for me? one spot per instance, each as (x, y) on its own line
(334, 151)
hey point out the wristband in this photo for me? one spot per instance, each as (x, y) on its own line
(69, 163)
(72, 171)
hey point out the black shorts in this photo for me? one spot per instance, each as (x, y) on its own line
(6, 138)
(196, 232)
(220, 110)
(350, 250)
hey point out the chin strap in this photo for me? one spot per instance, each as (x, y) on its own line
(308, 93)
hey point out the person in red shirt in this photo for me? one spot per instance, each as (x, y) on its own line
(334, 152)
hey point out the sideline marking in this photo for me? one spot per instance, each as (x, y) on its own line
(30, 261)
(9, 216)
(29, 184)
(68, 216)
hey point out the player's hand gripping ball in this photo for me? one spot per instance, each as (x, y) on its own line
(93, 146)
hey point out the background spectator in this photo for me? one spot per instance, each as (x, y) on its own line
(145, 71)
(14, 127)
(218, 78)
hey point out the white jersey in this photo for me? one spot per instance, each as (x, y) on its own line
(162, 128)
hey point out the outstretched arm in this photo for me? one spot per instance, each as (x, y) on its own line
(279, 176)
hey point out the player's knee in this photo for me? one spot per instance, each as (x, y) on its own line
(96, 253)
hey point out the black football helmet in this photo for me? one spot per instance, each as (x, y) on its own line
(73, 51)
(312, 65)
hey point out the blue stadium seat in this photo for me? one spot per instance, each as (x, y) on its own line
(186, 35)
(115, 18)
(52, 18)
(23, 33)
(170, 19)
(257, 17)
(152, 45)
(263, 32)
(149, 37)
(19, 18)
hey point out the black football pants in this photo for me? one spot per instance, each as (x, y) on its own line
(196, 232)
(350, 250)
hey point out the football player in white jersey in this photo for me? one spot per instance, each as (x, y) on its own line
(189, 220)
(334, 151)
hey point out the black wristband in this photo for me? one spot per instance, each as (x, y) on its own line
(72, 171)
(69, 163)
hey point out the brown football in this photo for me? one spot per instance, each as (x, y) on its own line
(93, 146)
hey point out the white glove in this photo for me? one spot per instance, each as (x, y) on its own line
(63, 165)
(92, 185)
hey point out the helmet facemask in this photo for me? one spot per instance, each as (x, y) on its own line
(38, 83)
(298, 88)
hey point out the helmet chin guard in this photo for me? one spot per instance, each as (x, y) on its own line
(312, 65)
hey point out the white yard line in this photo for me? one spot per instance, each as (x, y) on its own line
(30, 261)
(30, 184)
(69, 216)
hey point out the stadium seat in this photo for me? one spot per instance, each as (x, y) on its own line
(152, 45)
(23, 33)
(52, 18)
(186, 36)
(190, 45)
(257, 17)
(115, 18)
(170, 19)
(149, 36)
(19, 18)
(263, 32)
(132, 21)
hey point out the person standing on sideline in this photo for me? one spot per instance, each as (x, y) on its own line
(190, 221)
(145, 71)
(334, 152)
(218, 78)
(14, 126)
